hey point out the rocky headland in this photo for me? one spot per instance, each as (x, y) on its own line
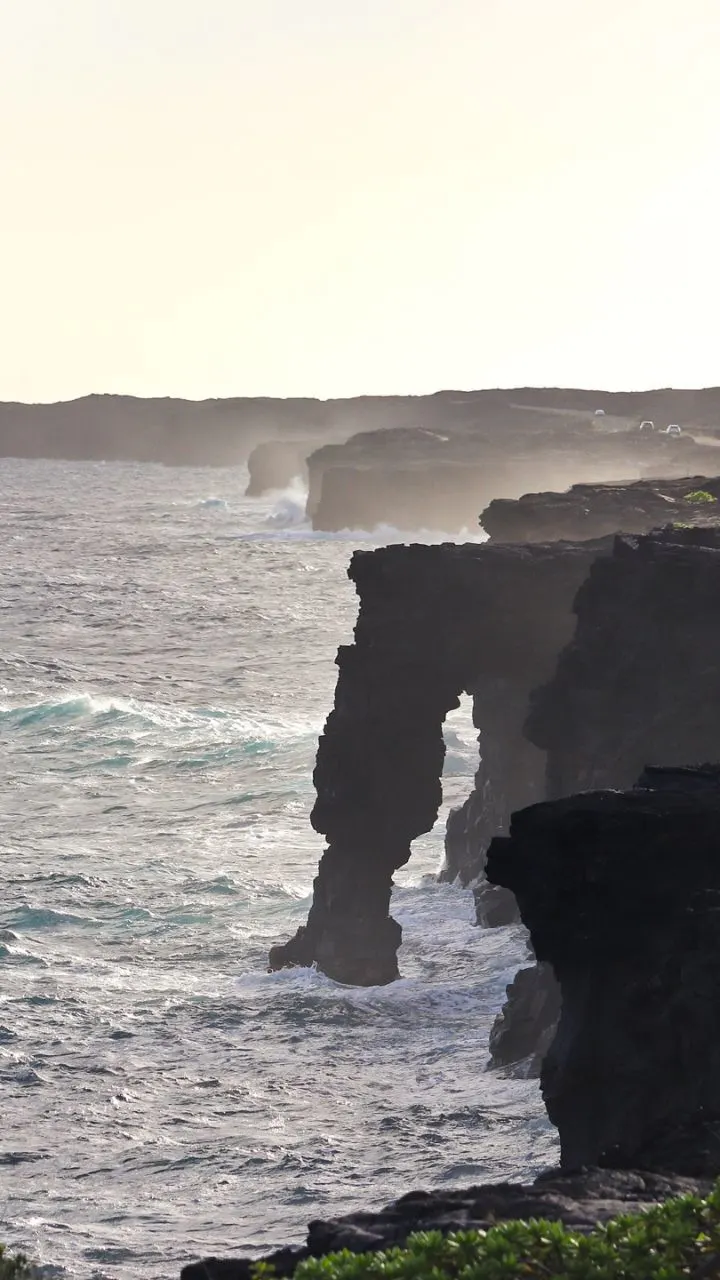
(624, 629)
(461, 452)
(587, 511)
(572, 653)
(434, 621)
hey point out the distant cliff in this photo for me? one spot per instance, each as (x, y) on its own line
(223, 432)
(186, 432)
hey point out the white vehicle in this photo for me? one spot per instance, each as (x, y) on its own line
(673, 429)
(646, 425)
(599, 413)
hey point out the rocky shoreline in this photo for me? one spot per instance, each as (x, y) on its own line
(620, 891)
(580, 1200)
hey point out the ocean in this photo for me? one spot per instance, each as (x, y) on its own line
(166, 665)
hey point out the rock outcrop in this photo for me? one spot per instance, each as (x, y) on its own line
(433, 622)
(596, 510)
(580, 1201)
(620, 892)
(524, 1030)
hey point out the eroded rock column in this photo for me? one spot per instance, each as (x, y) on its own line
(377, 776)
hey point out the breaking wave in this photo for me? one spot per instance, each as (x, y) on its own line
(287, 521)
(100, 712)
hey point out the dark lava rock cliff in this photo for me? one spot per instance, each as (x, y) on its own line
(639, 682)
(621, 894)
(433, 622)
(596, 510)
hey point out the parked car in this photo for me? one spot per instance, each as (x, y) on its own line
(673, 429)
(599, 413)
(646, 425)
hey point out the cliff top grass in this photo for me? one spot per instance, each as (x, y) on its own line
(670, 1241)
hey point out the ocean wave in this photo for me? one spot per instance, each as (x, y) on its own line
(289, 511)
(301, 530)
(211, 503)
(291, 995)
(287, 521)
(257, 731)
(47, 918)
(161, 692)
(19, 956)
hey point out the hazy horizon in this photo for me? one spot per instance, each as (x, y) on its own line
(219, 199)
(260, 395)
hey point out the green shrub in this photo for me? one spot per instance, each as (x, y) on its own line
(699, 495)
(672, 1241)
(15, 1268)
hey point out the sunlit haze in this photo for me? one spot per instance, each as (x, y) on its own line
(320, 197)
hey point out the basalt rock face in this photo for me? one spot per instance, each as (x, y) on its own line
(433, 622)
(581, 1201)
(639, 682)
(596, 510)
(522, 1034)
(621, 894)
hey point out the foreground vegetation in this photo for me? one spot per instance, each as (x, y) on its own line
(14, 1268)
(671, 1241)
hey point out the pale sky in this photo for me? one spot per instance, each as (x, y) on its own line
(336, 197)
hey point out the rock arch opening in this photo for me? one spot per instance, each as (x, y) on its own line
(460, 764)
(434, 621)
